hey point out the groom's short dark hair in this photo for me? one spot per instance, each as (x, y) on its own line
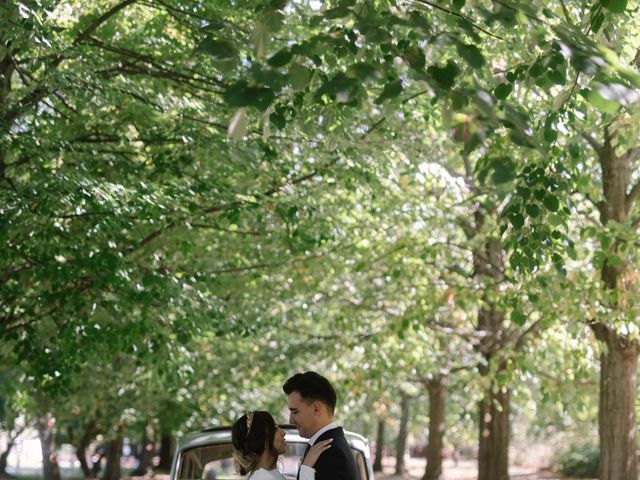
(312, 386)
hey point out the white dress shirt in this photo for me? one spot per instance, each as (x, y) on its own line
(315, 437)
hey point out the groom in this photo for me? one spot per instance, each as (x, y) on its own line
(312, 401)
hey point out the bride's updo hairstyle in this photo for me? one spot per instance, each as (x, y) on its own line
(251, 435)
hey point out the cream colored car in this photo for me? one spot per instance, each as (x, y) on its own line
(207, 455)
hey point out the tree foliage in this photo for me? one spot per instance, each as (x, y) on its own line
(197, 199)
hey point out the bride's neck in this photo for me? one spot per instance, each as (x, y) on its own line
(267, 460)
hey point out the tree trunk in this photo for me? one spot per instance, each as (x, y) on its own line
(81, 448)
(401, 443)
(50, 468)
(112, 470)
(377, 463)
(166, 452)
(13, 436)
(619, 359)
(617, 414)
(437, 392)
(145, 457)
(3, 460)
(493, 452)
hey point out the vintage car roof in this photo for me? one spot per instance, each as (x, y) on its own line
(216, 435)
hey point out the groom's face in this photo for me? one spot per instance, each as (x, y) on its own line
(302, 415)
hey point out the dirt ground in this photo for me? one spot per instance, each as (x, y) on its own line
(463, 470)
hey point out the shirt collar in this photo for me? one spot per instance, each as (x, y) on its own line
(313, 439)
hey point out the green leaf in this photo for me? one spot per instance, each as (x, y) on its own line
(278, 4)
(341, 88)
(597, 23)
(518, 317)
(457, 5)
(615, 261)
(503, 90)
(445, 76)
(557, 77)
(220, 50)
(503, 171)
(391, 89)
(517, 220)
(537, 69)
(533, 210)
(472, 55)
(299, 76)
(419, 22)
(280, 58)
(550, 133)
(278, 119)
(614, 6)
(551, 202)
(242, 95)
(366, 72)
(415, 57)
(337, 12)
(273, 20)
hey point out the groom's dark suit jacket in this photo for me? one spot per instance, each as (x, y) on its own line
(337, 462)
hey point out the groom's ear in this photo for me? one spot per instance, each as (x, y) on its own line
(317, 407)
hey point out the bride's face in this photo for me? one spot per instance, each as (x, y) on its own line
(279, 445)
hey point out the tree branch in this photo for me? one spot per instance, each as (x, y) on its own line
(632, 196)
(227, 230)
(632, 155)
(86, 33)
(511, 7)
(565, 12)
(592, 141)
(464, 17)
(521, 340)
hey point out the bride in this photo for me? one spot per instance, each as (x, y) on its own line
(257, 443)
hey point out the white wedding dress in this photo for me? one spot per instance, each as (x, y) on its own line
(306, 473)
(262, 474)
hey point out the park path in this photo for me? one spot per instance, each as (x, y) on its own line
(463, 470)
